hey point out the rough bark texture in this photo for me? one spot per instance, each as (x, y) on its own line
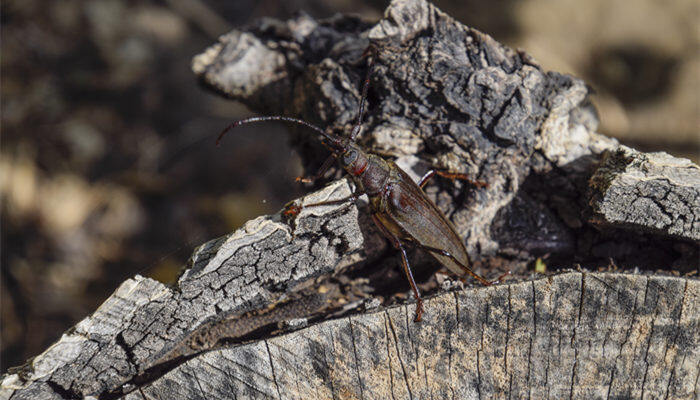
(647, 192)
(442, 95)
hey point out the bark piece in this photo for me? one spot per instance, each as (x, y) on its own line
(442, 95)
(652, 192)
(234, 285)
(447, 96)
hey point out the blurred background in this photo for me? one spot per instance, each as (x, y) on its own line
(108, 166)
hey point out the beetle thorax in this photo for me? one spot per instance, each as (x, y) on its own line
(368, 171)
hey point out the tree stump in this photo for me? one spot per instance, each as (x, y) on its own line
(313, 305)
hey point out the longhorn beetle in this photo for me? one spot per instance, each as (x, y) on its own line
(401, 210)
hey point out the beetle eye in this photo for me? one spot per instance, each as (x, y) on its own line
(349, 157)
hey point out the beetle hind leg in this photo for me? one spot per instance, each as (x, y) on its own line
(449, 175)
(409, 274)
(404, 263)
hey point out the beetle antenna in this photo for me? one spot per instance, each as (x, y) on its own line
(334, 140)
(363, 99)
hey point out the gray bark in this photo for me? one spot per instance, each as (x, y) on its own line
(302, 306)
(647, 192)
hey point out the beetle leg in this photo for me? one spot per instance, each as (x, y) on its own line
(324, 167)
(464, 267)
(449, 175)
(426, 178)
(404, 263)
(293, 209)
(352, 197)
(409, 274)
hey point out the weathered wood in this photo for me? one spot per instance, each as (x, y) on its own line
(442, 95)
(448, 96)
(451, 97)
(654, 192)
(574, 335)
(144, 323)
(581, 335)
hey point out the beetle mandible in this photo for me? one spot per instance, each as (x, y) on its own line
(401, 210)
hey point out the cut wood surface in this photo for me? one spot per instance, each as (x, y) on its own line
(573, 335)
(580, 335)
(313, 306)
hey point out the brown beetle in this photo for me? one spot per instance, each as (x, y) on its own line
(402, 211)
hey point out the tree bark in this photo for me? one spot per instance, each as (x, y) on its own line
(312, 305)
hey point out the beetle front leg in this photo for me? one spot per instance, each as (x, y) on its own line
(293, 209)
(404, 263)
(322, 170)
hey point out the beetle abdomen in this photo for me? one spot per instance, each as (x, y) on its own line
(411, 216)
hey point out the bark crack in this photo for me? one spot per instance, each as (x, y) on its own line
(505, 351)
(398, 355)
(388, 356)
(272, 369)
(479, 350)
(450, 349)
(651, 335)
(573, 335)
(675, 340)
(534, 335)
(357, 359)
